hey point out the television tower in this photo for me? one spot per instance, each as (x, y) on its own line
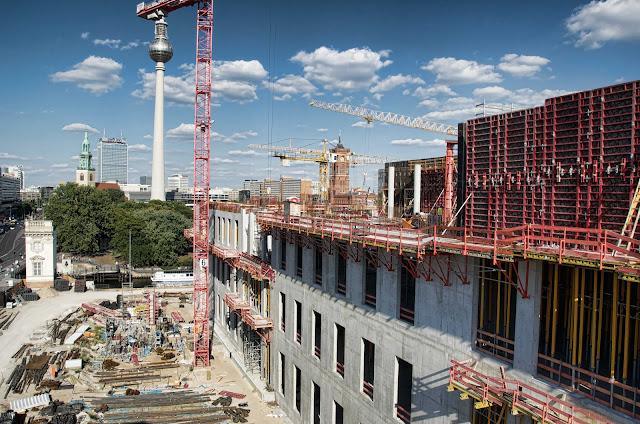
(160, 51)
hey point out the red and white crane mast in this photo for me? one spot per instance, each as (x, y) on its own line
(201, 151)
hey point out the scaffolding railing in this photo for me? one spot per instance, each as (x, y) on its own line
(589, 247)
(519, 398)
(601, 389)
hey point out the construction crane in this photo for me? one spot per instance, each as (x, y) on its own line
(406, 121)
(201, 150)
(322, 157)
(389, 117)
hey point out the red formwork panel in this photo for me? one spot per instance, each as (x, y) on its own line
(572, 162)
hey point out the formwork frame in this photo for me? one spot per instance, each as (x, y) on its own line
(572, 162)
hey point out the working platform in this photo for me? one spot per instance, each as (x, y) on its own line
(601, 249)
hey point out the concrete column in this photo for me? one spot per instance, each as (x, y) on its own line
(355, 280)
(390, 189)
(416, 188)
(387, 294)
(527, 328)
(157, 164)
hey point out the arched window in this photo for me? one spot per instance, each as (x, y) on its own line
(81, 177)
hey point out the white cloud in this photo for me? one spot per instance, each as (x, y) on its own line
(75, 157)
(347, 70)
(378, 96)
(148, 136)
(597, 22)
(59, 165)
(522, 66)
(520, 98)
(363, 124)
(394, 81)
(139, 148)
(130, 45)
(47, 111)
(491, 92)
(431, 103)
(84, 35)
(246, 153)
(292, 84)
(618, 80)
(449, 70)
(223, 160)
(282, 98)
(232, 80)
(182, 132)
(322, 129)
(77, 127)
(419, 142)
(9, 156)
(434, 90)
(114, 44)
(96, 74)
(239, 136)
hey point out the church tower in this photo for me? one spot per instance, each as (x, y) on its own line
(85, 173)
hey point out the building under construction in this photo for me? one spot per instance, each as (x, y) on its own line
(526, 309)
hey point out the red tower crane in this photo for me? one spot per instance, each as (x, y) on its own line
(201, 150)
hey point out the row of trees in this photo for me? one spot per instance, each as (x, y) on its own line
(88, 220)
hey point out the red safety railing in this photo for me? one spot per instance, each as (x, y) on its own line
(495, 345)
(370, 300)
(177, 316)
(403, 414)
(601, 247)
(256, 321)
(367, 388)
(316, 351)
(235, 303)
(604, 390)
(101, 310)
(520, 398)
(407, 315)
(340, 369)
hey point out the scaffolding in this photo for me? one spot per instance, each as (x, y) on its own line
(252, 352)
(515, 397)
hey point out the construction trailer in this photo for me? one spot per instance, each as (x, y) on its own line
(510, 318)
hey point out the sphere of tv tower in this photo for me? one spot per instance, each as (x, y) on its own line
(160, 50)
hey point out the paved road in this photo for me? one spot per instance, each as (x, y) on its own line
(11, 249)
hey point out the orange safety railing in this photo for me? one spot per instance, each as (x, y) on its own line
(600, 247)
(520, 398)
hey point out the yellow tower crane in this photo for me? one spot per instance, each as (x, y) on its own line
(406, 121)
(322, 157)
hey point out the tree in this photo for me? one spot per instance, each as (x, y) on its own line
(157, 233)
(82, 216)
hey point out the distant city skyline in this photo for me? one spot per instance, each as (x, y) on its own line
(435, 60)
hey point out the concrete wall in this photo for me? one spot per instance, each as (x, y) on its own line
(443, 331)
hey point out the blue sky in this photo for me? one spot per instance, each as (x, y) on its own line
(84, 64)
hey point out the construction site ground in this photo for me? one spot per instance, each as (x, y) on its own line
(30, 327)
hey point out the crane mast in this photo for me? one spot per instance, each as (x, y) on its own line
(201, 152)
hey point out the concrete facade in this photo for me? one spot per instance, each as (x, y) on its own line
(40, 253)
(445, 328)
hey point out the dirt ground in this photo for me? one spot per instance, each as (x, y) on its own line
(29, 326)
